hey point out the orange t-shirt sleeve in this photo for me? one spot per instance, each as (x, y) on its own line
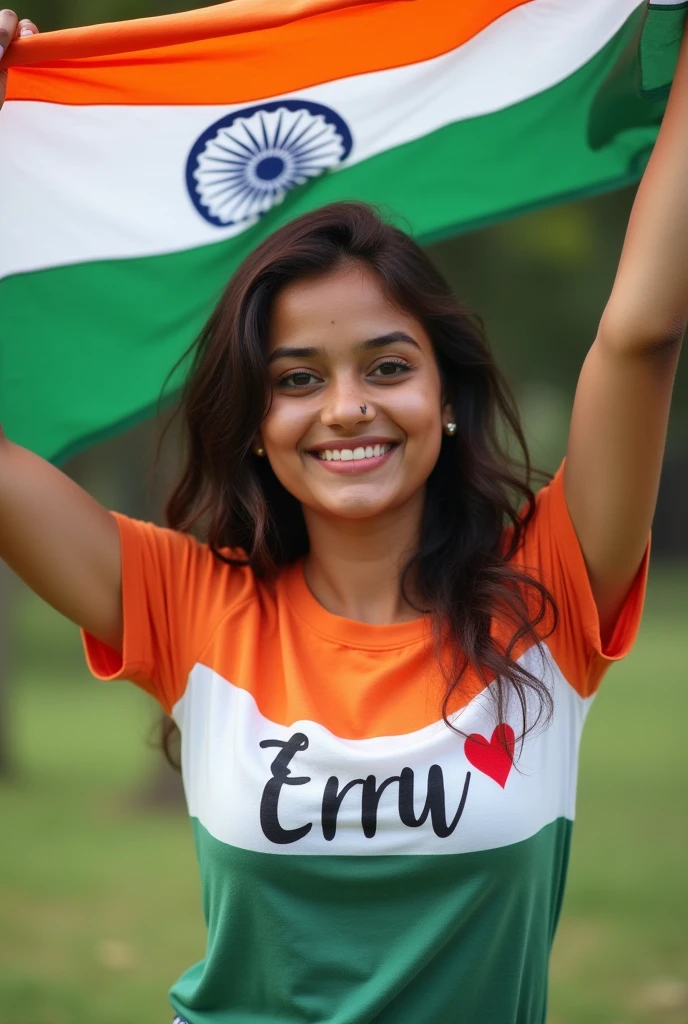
(175, 592)
(552, 546)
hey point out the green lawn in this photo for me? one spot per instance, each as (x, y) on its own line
(99, 899)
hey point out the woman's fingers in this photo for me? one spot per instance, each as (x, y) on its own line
(25, 28)
(10, 29)
(9, 24)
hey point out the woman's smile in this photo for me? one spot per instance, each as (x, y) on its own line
(357, 455)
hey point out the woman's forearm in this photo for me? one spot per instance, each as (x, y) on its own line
(648, 306)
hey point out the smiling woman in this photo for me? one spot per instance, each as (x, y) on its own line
(377, 568)
(381, 658)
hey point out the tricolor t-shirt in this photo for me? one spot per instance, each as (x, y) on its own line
(359, 860)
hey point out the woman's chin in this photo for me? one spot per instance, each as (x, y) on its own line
(354, 509)
(355, 502)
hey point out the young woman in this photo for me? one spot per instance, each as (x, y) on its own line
(383, 652)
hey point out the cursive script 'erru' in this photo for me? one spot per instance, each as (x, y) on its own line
(435, 804)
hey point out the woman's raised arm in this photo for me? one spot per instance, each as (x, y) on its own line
(61, 542)
(621, 409)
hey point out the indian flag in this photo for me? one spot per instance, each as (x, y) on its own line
(142, 161)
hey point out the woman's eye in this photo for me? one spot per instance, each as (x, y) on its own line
(391, 368)
(298, 379)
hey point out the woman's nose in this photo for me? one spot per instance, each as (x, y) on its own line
(346, 404)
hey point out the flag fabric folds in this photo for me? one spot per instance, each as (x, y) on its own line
(141, 161)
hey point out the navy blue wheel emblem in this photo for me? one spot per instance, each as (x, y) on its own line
(246, 162)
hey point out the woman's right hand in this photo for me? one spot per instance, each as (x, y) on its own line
(10, 29)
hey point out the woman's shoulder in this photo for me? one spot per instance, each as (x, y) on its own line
(217, 575)
(549, 553)
(179, 543)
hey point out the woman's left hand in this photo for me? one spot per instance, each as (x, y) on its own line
(11, 28)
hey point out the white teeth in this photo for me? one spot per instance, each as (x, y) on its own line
(349, 454)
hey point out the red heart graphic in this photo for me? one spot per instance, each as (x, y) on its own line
(494, 758)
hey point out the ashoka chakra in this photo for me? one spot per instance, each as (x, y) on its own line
(245, 163)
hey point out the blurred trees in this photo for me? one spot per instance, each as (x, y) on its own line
(52, 14)
(7, 582)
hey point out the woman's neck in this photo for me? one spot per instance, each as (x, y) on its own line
(353, 566)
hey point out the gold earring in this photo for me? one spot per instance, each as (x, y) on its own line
(450, 429)
(259, 451)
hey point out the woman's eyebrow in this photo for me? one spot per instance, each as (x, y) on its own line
(308, 352)
(386, 339)
(287, 352)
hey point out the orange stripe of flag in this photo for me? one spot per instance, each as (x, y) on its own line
(240, 51)
(171, 30)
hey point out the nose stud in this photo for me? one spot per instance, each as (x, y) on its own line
(363, 409)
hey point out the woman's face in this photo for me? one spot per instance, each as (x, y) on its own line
(356, 420)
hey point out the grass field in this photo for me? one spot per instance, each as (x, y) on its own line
(99, 898)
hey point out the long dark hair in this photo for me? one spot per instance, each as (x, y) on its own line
(479, 499)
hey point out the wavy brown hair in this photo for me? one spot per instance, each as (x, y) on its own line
(479, 499)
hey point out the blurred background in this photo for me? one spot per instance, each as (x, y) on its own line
(100, 905)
